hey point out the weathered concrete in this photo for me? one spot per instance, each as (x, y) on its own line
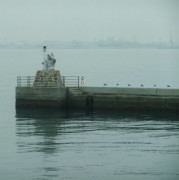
(107, 98)
(40, 97)
(93, 98)
(131, 91)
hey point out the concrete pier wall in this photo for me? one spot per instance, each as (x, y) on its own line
(93, 98)
(108, 98)
(131, 91)
(40, 97)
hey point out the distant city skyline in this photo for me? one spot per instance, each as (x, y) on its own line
(109, 42)
(132, 39)
(87, 20)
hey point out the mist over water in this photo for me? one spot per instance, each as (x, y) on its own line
(49, 144)
(99, 66)
(84, 20)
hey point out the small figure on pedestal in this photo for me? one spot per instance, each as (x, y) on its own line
(49, 60)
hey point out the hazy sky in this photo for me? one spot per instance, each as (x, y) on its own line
(40, 20)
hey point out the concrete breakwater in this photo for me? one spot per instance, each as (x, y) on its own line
(94, 98)
(49, 89)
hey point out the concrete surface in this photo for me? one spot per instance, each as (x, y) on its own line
(93, 98)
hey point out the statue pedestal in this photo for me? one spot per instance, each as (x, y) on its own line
(48, 78)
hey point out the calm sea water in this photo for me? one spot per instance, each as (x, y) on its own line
(47, 144)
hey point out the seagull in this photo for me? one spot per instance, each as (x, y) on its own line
(168, 85)
(105, 84)
(154, 85)
(117, 84)
(129, 85)
(142, 85)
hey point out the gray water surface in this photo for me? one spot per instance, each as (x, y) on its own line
(43, 144)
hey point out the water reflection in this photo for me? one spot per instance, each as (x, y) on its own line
(77, 144)
(40, 130)
(42, 126)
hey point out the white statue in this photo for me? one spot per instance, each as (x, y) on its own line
(49, 62)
